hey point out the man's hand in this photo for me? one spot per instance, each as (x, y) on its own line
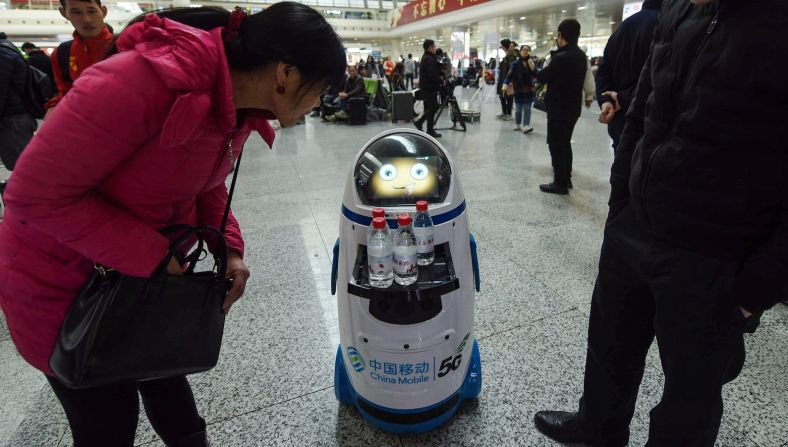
(608, 113)
(614, 97)
(588, 103)
(745, 312)
(343, 95)
(504, 87)
(238, 273)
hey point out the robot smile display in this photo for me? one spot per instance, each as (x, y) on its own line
(407, 356)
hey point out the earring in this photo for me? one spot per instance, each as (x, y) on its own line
(280, 88)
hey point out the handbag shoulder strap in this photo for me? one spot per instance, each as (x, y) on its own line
(230, 194)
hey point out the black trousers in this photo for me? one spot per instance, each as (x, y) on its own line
(15, 132)
(616, 127)
(507, 102)
(108, 416)
(430, 109)
(644, 290)
(559, 140)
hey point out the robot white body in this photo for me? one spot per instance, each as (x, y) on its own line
(407, 356)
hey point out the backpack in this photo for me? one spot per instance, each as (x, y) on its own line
(63, 53)
(39, 87)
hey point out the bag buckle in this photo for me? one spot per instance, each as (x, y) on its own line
(102, 270)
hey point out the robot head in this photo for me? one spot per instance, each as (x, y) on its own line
(401, 169)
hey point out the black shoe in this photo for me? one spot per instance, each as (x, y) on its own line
(433, 134)
(419, 125)
(562, 426)
(3, 184)
(315, 114)
(570, 185)
(554, 188)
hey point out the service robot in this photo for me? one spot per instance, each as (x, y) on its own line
(407, 356)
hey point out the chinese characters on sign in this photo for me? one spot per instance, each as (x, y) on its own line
(424, 9)
(401, 374)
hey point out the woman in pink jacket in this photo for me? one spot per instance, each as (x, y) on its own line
(142, 142)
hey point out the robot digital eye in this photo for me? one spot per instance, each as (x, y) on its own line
(419, 171)
(388, 172)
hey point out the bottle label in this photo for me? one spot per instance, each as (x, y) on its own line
(380, 265)
(405, 265)
(425, 239)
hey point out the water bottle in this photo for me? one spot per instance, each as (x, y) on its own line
(376, 212)
(425, 234)
(406, 270)
(379, 255)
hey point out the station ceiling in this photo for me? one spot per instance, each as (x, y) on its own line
(597, 18)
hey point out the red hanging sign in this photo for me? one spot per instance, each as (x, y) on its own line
(424, 9)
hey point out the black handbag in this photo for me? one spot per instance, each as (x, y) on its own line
(127, 329)
(539, 98)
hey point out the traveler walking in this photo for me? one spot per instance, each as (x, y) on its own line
(144, 141)
(565, 76)
(507, 101)
(429, 84)
(694, 249)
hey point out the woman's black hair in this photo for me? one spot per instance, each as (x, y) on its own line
(287, 32)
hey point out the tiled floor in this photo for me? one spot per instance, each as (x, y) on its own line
(538, 255)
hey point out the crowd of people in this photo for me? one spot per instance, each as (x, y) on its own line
(695, 246)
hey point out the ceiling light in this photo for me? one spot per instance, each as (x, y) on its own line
(612, 23)
(522, 18)
(563, 11)
(582, 8)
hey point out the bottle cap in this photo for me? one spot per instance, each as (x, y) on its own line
(378, 223)
(378, 212)
(421, 206)
(404, 220)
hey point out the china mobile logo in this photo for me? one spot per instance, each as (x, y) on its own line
(355, 359)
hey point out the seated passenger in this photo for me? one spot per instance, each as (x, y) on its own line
(354, 87)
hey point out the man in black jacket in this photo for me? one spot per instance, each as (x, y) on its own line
(564, 78)
(696, 242)
(430, 81)
(38, 59)
(625, 53)
(17, 124)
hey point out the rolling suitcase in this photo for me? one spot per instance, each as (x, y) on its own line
(357, 109)
(402, 106)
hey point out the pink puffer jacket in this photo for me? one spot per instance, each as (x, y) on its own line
(140, 143)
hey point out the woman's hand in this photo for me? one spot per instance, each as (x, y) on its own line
(238, 273)
(174, 267)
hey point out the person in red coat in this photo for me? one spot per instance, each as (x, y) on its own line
(143, 141)
(92, 41)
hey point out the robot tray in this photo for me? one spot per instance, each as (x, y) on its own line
(411, 304)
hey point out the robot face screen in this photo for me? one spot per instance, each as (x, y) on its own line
(401, 169)
(403, 177)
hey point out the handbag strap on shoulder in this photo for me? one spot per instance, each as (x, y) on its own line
(230, 194)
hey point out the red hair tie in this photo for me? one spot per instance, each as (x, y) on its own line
(233, 28)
